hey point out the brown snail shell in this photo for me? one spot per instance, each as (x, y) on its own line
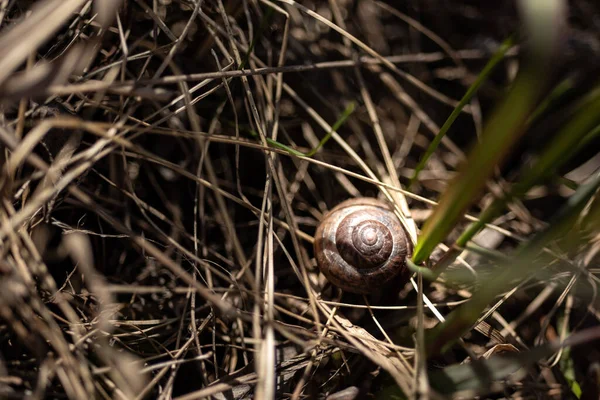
(360, 245)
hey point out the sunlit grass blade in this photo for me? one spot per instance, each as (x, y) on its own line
(481, 78)
(563, 225)
(567, 366)
(575, 134)
(504, 127)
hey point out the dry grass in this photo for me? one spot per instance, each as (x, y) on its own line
(156, 237)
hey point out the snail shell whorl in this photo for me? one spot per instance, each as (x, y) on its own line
(360, 245)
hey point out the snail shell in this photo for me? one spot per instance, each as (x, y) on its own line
(360, 245)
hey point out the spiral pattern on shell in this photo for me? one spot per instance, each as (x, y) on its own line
(360, 245)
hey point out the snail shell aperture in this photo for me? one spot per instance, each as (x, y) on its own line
(360, 245)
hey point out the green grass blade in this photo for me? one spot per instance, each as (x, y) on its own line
(504, 127)
(343, 117)
(264, 23)
(347, 112)
(563, 225)
(481, 78)
(578, 131)
(501, 132)
(567, 365)
(575, 135)
(557, 93)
